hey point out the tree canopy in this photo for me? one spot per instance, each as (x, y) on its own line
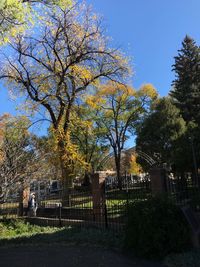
(186, 86)
(63, 55)
(160, 133)
(120, 108)
(17, 15)
(56, 54)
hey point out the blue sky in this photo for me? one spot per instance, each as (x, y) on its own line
(150, 31)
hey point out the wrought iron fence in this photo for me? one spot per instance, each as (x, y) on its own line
(110, 213)
(9, 210)
(118, 201)
(184, 189)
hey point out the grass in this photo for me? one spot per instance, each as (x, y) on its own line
(110, 203)
(18, 232)
(11, 228)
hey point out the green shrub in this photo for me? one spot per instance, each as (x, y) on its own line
(155, 228)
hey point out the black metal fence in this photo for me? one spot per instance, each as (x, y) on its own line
(184, 189)
(111, 213)
(77, 208)
(118, 201)
(9, 210)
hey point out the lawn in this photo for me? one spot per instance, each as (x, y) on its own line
(18, 228)
(20, 232)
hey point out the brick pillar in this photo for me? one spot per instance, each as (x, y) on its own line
(26, 195)
(158, 181)
(23, 200)
(98, 195)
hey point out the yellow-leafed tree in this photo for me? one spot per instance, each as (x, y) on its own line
(17, 15)
(135, 168)
(53, 64)
(121, 108)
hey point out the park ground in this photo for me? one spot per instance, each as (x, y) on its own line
(26, 245)
(70, 255)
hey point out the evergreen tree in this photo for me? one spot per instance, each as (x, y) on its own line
(160, 134)
(186, 86)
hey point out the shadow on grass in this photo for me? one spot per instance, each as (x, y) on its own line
(92, 237)
(70, 235)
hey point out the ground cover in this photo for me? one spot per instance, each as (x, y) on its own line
(45, 246)
(20, 232)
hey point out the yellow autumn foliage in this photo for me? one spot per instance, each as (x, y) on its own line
(94, 101)
(66, 149)
(63, 3)
(135, 168)
(114, 88)
(19, 14)
(148, 90)
(82, 72)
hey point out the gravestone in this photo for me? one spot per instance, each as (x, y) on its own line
(158, 181)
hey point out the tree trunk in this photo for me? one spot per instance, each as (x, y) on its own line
(86, 180)
(118, 170)
(67, 183)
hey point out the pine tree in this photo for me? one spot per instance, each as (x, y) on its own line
(159, 134)
(186, 86)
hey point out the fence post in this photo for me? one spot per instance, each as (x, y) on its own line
(60, 214)
(158, 180)
(98, 196)
(106, 215)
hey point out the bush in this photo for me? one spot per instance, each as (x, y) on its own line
(155, 228)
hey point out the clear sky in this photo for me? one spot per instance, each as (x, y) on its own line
(150, 31)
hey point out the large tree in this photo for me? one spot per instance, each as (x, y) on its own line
(55, 64)
(17, 158)
(24, 157)
(88, 137)
(162, 136)
(120, 108)
(186, 86)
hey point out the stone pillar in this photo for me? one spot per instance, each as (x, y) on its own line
(158, 181)
(98, 195)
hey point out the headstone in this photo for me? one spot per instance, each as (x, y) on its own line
(158, 181)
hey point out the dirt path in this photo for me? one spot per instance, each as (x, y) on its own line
(69, 256)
